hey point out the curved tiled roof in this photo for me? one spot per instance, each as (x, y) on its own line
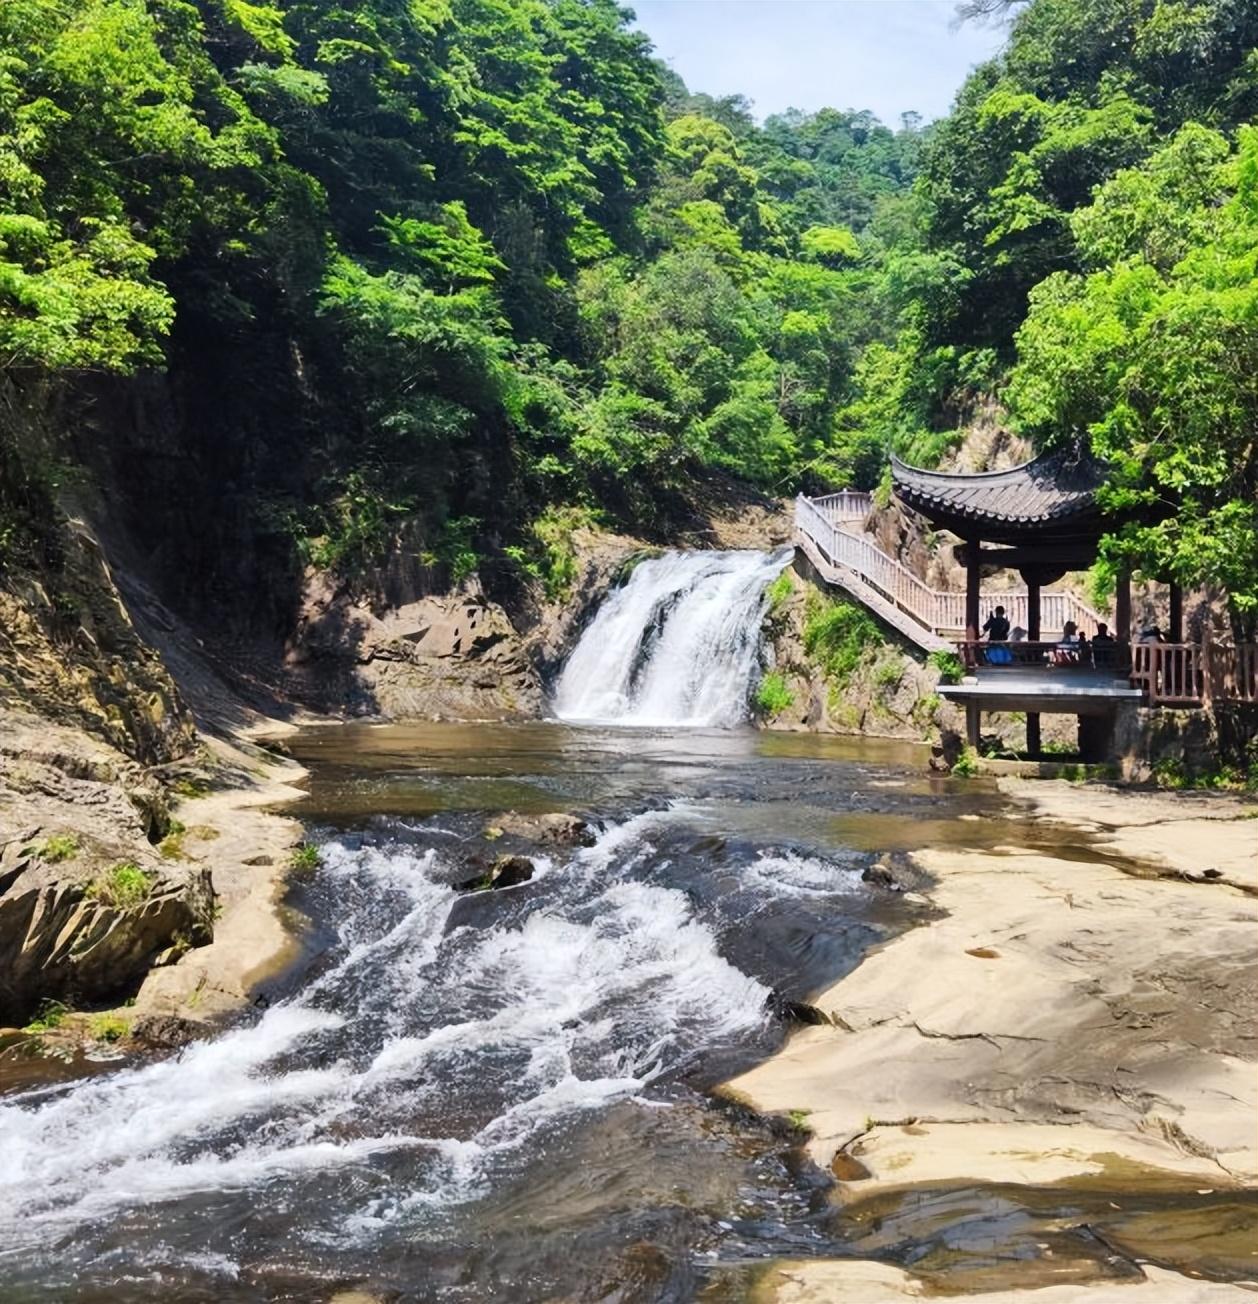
(1055, 490)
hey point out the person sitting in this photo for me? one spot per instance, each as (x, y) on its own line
(997, 626)
(1067, 651)
(1103, 646)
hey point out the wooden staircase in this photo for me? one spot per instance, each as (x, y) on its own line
(830, 533)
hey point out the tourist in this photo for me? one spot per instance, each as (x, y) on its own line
(1103, 646)
(1067, 651)
(997, 626)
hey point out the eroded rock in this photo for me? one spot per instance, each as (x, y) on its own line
(59, 941)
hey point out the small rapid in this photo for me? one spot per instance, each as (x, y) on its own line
(502, 1030)
(677, 645)
(478, 1095)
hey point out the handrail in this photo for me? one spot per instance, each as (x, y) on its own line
(849, 505)
(938, 610)
(1184, 674)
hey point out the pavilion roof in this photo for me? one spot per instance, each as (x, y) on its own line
(1054, 494)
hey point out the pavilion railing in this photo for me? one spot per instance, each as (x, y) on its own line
(1046, 655)
(1170, 674)
(940, 611)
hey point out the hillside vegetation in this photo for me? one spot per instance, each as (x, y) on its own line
(307, 282)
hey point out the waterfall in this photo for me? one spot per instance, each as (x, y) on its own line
(679, 644)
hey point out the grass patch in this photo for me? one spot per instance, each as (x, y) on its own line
(190, 788)
(171, 846)
(889, 674)
(49, 1015)
(948, 664)
(125, 886)
(779, 591)
(109, 1027)
(772, 695)
(837, 634)
(59, 847)
(799, 1119)
(305, 859)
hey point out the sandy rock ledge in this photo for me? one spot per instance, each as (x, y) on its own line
(1064, 1020)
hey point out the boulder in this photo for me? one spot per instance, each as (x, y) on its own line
(556, 829)
(505, 871)
(58, 941)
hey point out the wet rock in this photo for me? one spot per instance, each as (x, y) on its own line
(846, 1168)
(505, 871)
(895, 873)
(797, 1011)
(948, 752)
(557, 829)
(167, 1031)
(259, 860)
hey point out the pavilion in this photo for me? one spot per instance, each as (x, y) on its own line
(1042, 520)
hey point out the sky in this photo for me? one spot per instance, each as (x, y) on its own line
(891, 56)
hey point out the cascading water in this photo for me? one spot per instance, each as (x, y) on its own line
(434, 1072)
(679, 644)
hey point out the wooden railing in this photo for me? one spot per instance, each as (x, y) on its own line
(940, 611)
(1188, 674)
(1051, 654)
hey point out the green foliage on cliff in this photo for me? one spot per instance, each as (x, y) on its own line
(421, 272)
(837, 635)
(772, 695)
(421, 276)
(123, 886)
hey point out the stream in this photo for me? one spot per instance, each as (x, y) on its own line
(508, 1094)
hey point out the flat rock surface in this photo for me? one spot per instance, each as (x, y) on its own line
(861, 1282)
(1063, 1019)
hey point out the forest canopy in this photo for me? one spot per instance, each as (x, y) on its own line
(475, 270)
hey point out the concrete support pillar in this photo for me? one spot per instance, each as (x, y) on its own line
(1176, 632)
(1033, 733)
(972, 716)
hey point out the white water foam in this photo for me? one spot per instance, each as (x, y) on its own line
(679, 644)
(585, 1002)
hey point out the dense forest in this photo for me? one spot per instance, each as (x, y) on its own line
(308, 281)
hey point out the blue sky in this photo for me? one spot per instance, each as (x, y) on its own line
(890, 56)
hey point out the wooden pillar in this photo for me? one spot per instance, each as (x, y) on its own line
(972, 728)
(1033, 636)
(972, 579)
(1122, 608)
(1176, 632)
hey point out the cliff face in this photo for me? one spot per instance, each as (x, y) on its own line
(887, 691)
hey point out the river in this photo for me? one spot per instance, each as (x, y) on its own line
(498, 1095)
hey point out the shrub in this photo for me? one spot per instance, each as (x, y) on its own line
(125, 886)
(59, 847)
(889, 673)
(109, 1027)
(836, 636)
(48, 1016)
(772, 696)
(948, 664)
(966, 766)
(305, 859)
